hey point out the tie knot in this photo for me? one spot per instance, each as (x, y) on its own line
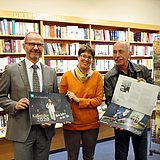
(34, 66)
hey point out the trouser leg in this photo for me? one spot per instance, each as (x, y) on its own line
(36, 147)
(89, 140)
(122, 139)
(140, 145)
(72, 143)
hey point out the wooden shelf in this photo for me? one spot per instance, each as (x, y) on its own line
(141, 57)
(12, 55)
(60, 57)
(12, 36)
(65, 39)
(2, 112)
(132, 57)
(99, 57)
(142, 43)
(76, 20)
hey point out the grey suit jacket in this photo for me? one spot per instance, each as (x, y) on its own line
(14, 84)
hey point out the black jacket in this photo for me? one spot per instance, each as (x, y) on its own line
(111, 78)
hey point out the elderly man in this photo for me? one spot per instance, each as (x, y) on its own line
(124, 66)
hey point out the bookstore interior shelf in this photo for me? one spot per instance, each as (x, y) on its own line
(63, 35)
(11, 36)
(60, 57)
(65, 40)
(12, 55)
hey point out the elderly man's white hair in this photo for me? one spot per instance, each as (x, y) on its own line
(126, 45)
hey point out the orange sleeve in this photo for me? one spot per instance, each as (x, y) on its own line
(63, 84)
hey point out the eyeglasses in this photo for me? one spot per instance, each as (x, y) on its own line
(32, 45)
(89, 58)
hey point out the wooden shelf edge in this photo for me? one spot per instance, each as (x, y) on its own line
(78, 20)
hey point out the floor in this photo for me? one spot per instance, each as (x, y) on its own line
(105, 151)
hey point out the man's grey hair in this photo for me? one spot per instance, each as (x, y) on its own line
(126, 44)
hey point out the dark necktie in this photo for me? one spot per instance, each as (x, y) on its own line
(36, 85)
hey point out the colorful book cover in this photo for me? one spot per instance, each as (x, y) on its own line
(49, 108)
(7, 46)
(155, 125)
(128, 119)
(156, 50)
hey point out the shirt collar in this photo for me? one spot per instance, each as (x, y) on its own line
(29, 63)
(130, 68)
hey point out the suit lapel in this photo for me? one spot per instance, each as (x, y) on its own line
(43, 77)
(23, 73)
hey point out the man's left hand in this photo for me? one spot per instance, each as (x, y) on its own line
(45, 125)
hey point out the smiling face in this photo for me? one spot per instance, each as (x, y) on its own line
(33, 45)
(85, 59)
(121, 54)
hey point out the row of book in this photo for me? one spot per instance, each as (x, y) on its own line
(134, 49)
(61, 48)
(66, 65)
(12, 27)
(62, 65)
(141, 50)
(72, 49)
(142, 36)
(11, 46)
(115, 35)
(103, 49)
(70, 32)
(3, 125)
(8, 60)
(104, 65)
(3, 120)
(146, 62)
(15, 46)
(100, 65)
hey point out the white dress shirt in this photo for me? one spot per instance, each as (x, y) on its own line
(30, 73)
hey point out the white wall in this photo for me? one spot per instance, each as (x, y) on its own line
(138, 11)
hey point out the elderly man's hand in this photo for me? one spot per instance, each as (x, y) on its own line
(141, 79)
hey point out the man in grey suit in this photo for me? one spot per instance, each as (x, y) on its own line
(30, 142)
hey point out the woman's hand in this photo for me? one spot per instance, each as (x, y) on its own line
(71, 95)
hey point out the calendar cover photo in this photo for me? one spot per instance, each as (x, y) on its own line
(122, 117)
(49, 108)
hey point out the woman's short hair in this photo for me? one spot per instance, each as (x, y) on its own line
(86, 48)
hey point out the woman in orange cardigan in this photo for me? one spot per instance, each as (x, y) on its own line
(84, 88)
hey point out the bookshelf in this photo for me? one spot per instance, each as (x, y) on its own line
(63, 36)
